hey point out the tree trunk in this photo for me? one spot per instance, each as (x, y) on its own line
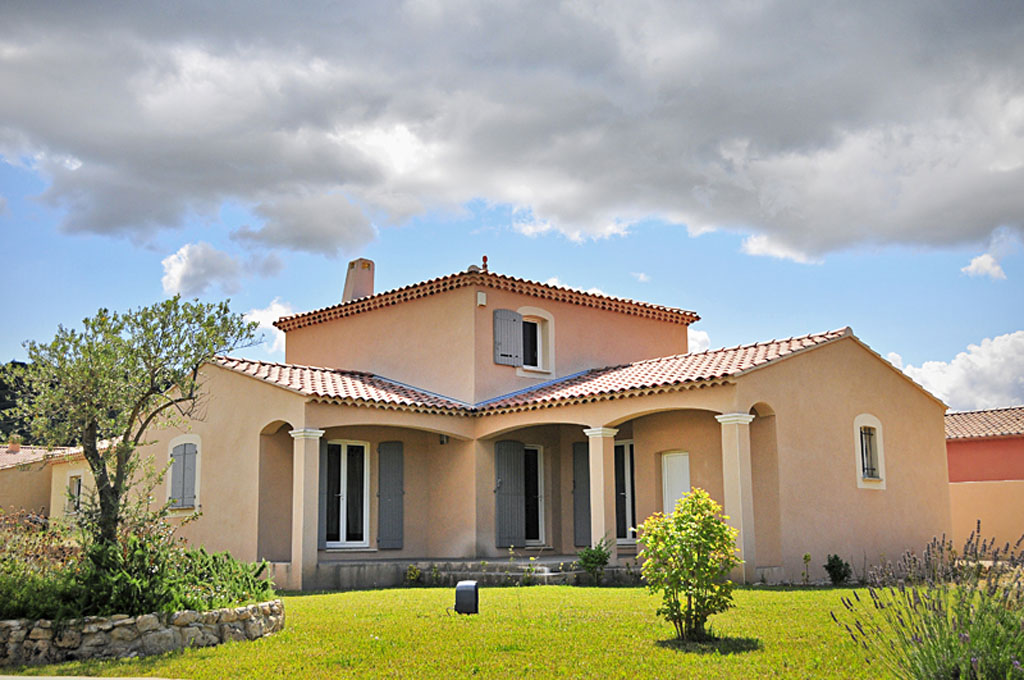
(109, 494)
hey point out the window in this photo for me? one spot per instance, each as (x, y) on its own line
(625, 493)
(183, 490)
(870, 450)
(74, 503)
(518, 494)
(533, 476)
(525, 338)
(531, 345)
(348, 494)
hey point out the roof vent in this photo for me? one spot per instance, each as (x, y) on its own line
(358, 280)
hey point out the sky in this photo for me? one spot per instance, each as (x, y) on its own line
(780, 168)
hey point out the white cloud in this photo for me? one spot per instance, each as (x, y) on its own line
(761, 244)
(640, 276)
(984, 265)
(895, 359)
(266, 318)
(555, 281)
(698, 340)
(987, 375)
(3, 205)
(586, 118)
(1003, 242)
(198, 266)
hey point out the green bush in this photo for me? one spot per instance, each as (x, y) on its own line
(838, 569)
(687, 555)
(594, 559)
(943, 614)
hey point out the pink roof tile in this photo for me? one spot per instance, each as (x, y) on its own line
(333, 383)
(664, 371)
(31, 454)
(997, 422)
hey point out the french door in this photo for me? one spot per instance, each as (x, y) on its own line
(348, 495)
(625, 492)
(533, 476)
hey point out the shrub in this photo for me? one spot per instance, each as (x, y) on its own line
(944, 615)
(687, 555)
(838, 569)
(594, 559)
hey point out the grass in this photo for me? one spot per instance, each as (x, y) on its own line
(542, 631)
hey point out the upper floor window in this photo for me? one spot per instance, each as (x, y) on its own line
(870, 452)
(525, 338)
(183, 491)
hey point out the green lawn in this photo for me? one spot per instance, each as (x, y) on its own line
(542, 631)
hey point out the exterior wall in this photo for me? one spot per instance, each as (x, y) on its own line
(427, 342)
(999, 506)
(274, 540)
(61, 473)
(816, 396)
(985, 459)
(584, 338)
(26, 487)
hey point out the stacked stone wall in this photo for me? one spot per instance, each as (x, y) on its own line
(26, 642)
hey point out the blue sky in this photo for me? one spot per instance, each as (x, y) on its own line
(720, 160)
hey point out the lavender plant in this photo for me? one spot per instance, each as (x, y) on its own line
(944, 614)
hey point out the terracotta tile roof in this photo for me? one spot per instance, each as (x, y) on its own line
(996, 422)
(342, 385)
(31, 454)
(487, 280)
(652, 374)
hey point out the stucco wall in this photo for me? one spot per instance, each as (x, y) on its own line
(25, 487)
(427, 342)
(999, 506)
(991, 458)
(816, 395)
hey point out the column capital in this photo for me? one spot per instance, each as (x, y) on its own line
(601, 432)
(735, 418)
(306, 433)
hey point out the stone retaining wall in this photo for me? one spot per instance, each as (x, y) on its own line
(95, 637)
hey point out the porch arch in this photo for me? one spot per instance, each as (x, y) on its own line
(274, 522)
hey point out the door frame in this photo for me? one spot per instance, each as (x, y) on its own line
(541, 515)
(345, 444)
(629, 473)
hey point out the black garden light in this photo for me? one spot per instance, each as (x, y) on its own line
(467, 597)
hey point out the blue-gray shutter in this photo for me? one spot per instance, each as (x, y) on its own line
(177, 476)
(581, 493)
(508, 337)
(390, 490)
(509, 494)
(188, 484)
(321, 530)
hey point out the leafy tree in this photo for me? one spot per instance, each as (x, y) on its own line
(104, 386)
(9, 387)
(687, 555)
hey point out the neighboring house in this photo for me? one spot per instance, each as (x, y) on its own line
(986, 473)
(461, 416)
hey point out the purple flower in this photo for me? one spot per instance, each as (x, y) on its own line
(965, 638)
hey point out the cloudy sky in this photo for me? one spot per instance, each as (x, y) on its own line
(780, 168)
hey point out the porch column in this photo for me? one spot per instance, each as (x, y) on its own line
(305, 497)
(739, 488)
(602, 485)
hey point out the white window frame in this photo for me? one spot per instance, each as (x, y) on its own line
(628, 471)
(868, 420)
(664, 478)
(178, 441)
(545, 321)
(365, 543)
(541, 514)
(70, 509)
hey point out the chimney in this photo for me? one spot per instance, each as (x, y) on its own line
(358, 280)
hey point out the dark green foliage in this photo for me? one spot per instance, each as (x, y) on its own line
(10, 386)
(838, 569)
(595, 559)
(944, 614)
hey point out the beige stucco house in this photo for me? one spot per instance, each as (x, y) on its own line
(458, 417)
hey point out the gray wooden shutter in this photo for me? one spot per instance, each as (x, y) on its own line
(581, 493)
(177, 476)
(188, 484)
(508, 337)
(321, 530)
(390, 489)
(509, 494)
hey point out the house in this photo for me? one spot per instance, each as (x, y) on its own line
(24, 479)
(462, 416)
(986, 473)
